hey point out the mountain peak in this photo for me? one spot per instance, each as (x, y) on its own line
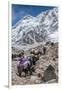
(33, 30)
(27, 17)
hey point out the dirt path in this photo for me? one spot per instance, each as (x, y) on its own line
(40, 67)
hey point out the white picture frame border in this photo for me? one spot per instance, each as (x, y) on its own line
(43, 3)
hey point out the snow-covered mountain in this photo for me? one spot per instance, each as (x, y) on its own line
(35, 30)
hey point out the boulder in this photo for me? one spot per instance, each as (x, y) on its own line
(49, 73)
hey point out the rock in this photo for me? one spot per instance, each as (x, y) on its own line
(37, 81)
(40, 66)
(49, 73)
(38, 71)
(34, 78)
(52, 81)
(46, 69)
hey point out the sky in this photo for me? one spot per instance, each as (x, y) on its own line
(19, 11)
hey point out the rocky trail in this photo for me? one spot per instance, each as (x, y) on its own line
(46, 68)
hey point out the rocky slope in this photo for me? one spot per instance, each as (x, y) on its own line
(46, 66)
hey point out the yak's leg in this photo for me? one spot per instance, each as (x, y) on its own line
(34, 62)
(19, 74)
(26, 72)
(44, 50)
(19, 71)
(33, 69)
(30, 70)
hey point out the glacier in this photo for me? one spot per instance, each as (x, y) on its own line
(32, 31)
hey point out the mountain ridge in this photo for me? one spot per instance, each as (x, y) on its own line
(33, 30)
